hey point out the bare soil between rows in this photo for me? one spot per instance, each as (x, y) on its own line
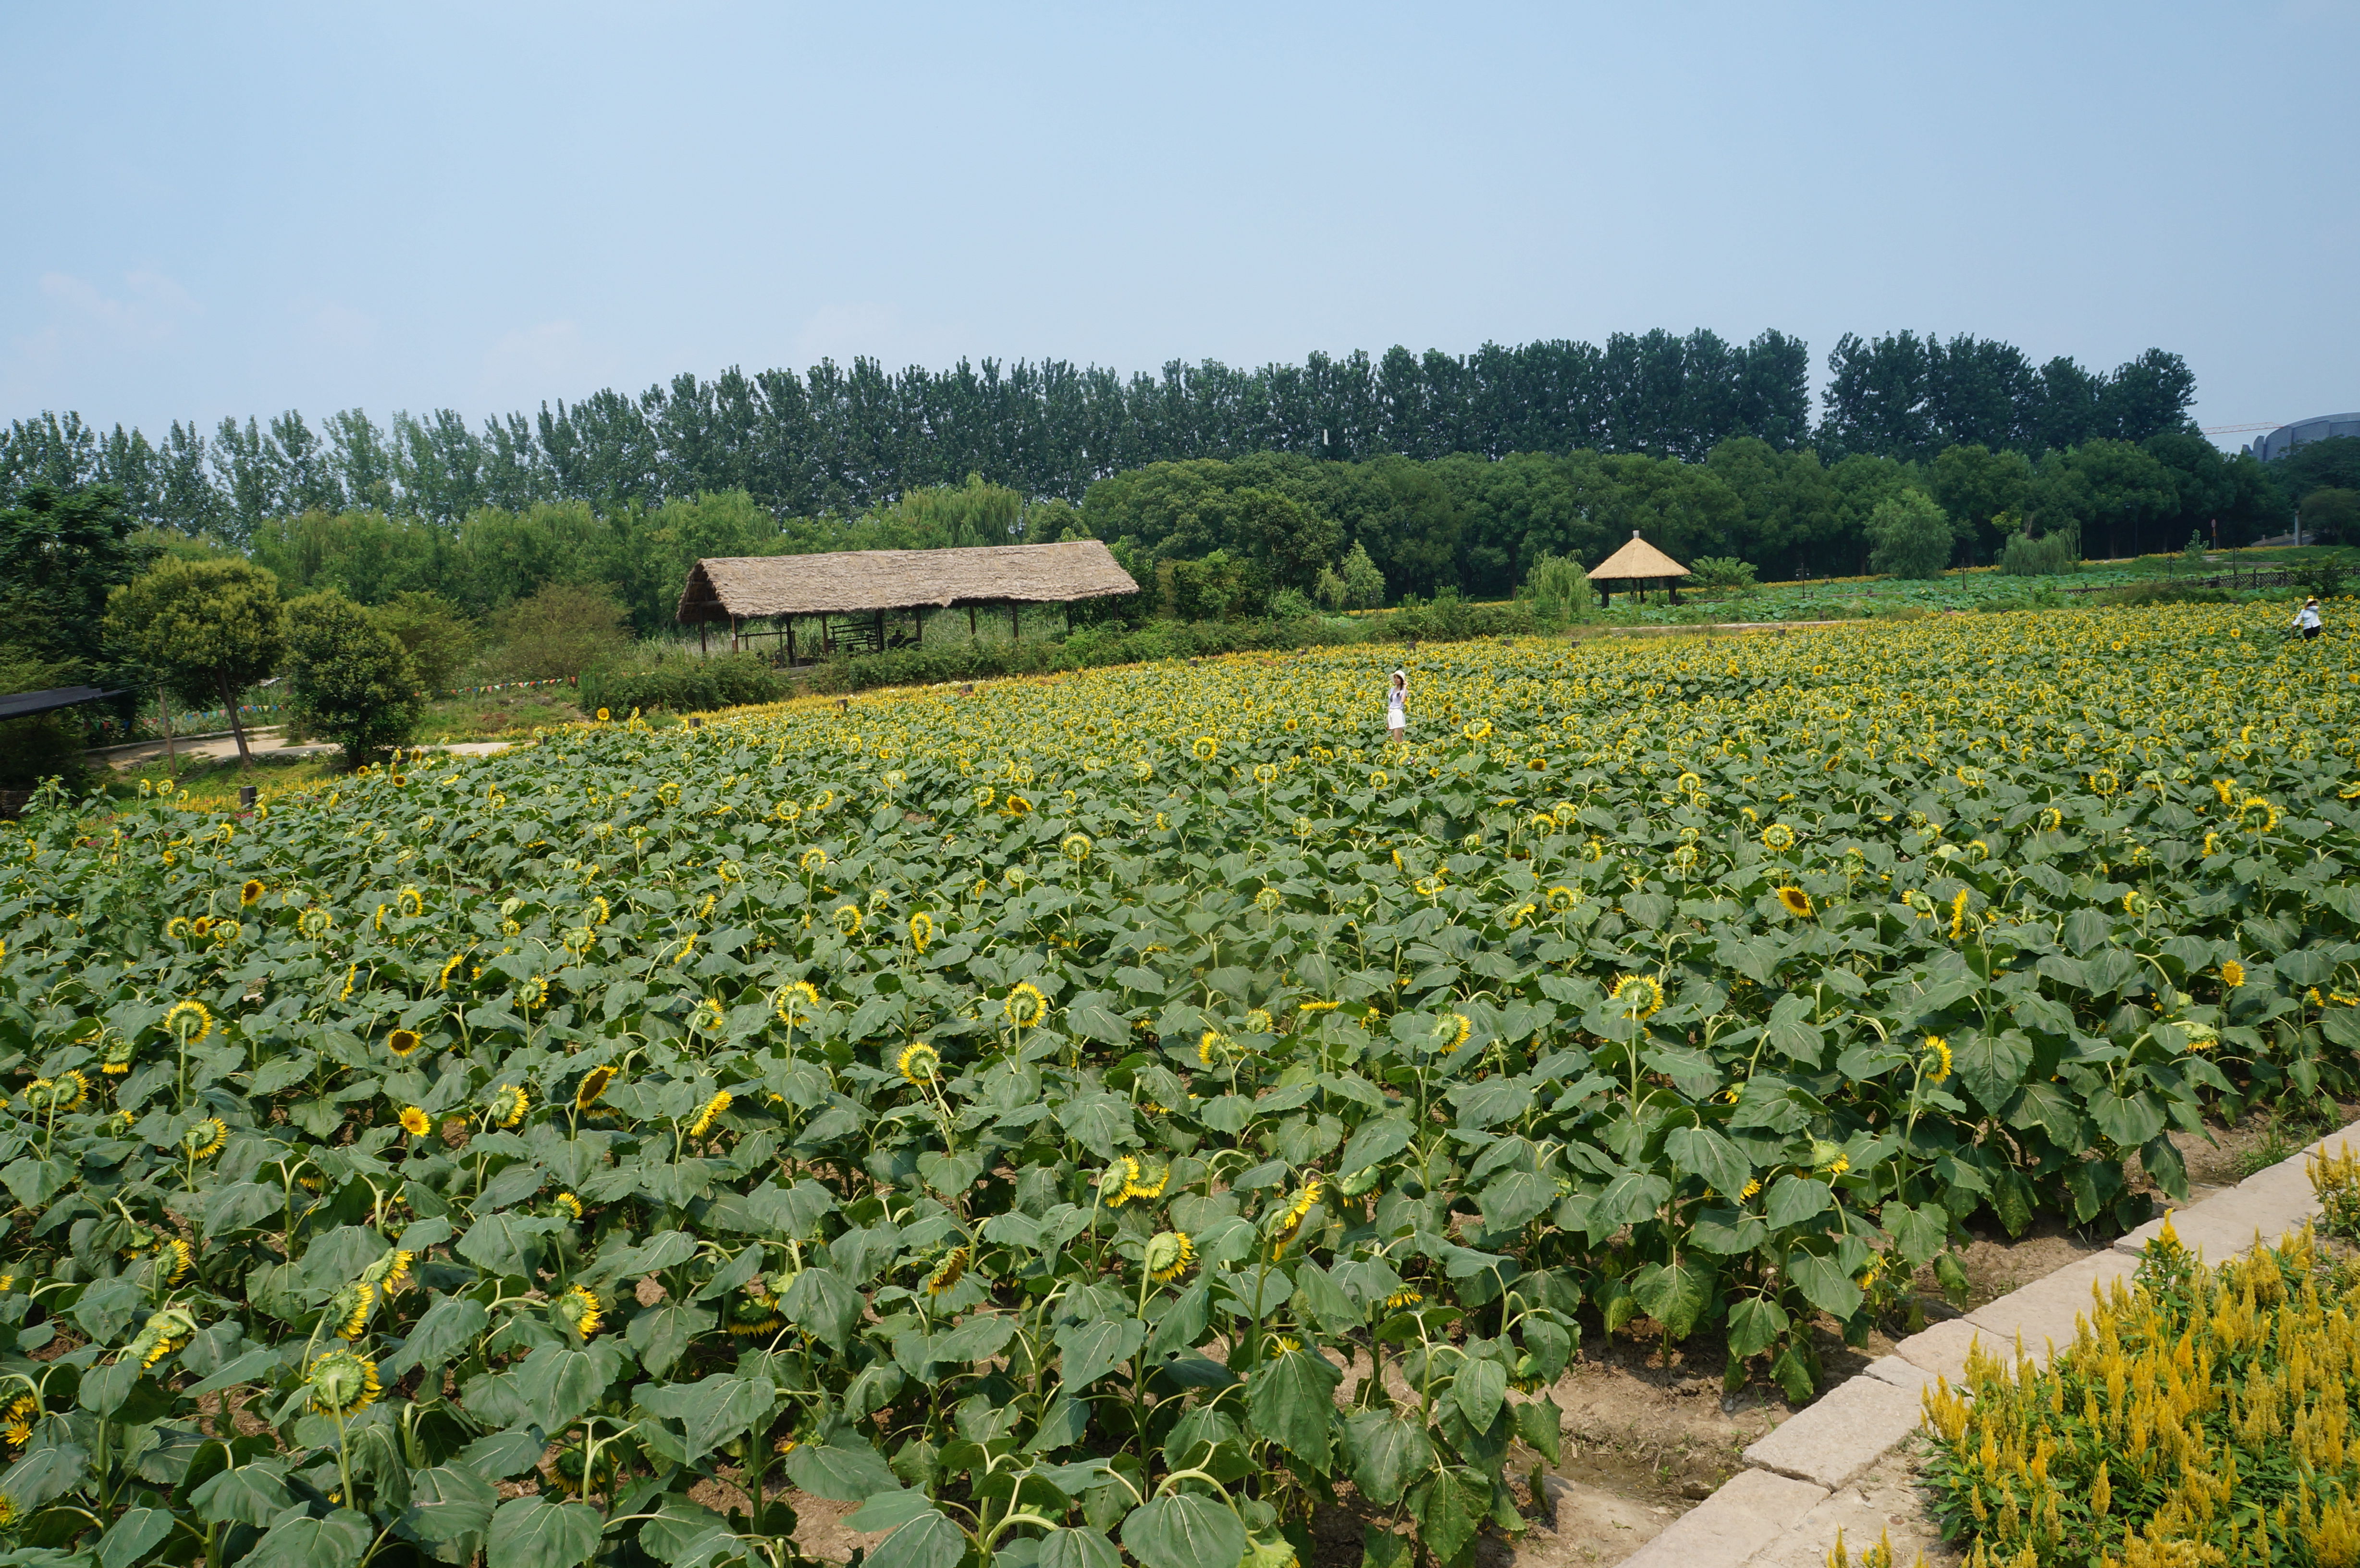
(1643, 1442)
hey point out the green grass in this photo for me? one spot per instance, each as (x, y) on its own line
(2284, 1131)
(213, 783)
(498, 715)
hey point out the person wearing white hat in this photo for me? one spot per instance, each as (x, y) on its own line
(1398, 707)
(2306, 620)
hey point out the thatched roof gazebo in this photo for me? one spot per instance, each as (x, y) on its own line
(842, 584)
(1636, 565)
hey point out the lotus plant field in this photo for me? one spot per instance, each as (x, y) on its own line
(1122, 1115)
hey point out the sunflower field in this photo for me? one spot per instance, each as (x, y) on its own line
(1123, 1113)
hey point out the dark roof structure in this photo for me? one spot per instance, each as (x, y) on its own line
(24, 704)
(749, 587)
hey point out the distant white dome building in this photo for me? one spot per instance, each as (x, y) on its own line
(2286, 437)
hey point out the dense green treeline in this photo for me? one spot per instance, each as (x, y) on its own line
(1464, 524)
(641, 555)
(1479, 526)
(840, 442)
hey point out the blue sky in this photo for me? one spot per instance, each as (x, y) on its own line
(241, 209)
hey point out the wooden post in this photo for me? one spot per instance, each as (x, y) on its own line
(881, 631)
(791, 640)
(700, 639)
(970, 623)
(734, 623)
(1015, 622)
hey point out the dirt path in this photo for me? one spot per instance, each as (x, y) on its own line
(270, 742)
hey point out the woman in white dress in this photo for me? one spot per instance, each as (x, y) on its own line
(1398, 707)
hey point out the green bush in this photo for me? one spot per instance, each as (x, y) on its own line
(1291, 605)
(558, 632)
(1911, 534)
(353, 682)
(1559, 589)
(2325, 575)
(2164, 590)
(2049, 555)
(2332, 517)
(1721, 571)
(1355, 584)
(681, 685)
(1452, 619)
(440, 640)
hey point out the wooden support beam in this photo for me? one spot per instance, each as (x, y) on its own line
(700, 639)
(791, 640)
(1015, 621)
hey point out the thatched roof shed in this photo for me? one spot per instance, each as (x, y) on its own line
(1636, 561)
(747, 587)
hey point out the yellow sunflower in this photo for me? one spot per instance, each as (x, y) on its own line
(720, 1102)
(415, 1122)
(1939, 1051)
(509, 1104)
(919, 1063)
(342, 1382)
(402, 1041)
(1025, 1005)
(1170, 1255)
(1641, 996)
(593, 1084)
(349, 1309)
(795, 1003)
(188, 1021)
(579, 1310)
(1796, 902)
(948, 1272)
